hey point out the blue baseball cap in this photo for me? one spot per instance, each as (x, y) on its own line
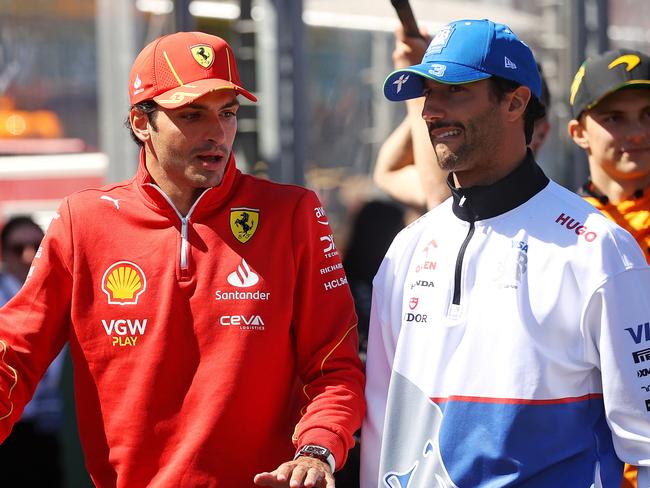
(466, 51)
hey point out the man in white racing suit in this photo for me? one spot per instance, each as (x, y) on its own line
(509, 335)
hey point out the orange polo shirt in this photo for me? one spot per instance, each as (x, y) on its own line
(632, 214)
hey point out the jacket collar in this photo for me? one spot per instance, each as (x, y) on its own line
(483, 202)
(211, 197)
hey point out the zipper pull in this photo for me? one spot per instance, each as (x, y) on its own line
(454, 311)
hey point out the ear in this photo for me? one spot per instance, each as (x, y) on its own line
(578, 133)
(140, 124)
(517, 102)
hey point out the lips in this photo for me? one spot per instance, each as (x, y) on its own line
(443, 133)
(211, 161)
(210, 158)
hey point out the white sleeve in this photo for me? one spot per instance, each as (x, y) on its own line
(643, 477)
(618, 341)
(381, 351)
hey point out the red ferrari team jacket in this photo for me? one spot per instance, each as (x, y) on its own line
(205, 347)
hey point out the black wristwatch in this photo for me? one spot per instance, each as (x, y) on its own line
(318, 452)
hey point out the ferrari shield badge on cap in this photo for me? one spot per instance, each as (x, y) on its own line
(203, 54)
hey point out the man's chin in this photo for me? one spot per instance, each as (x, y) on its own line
(634, 168)
(447, 160)
(207, 179)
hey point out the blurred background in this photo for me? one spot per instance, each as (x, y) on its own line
(316, 66)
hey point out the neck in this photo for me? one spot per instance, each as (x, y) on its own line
(181, 198)
(483, 202)
(504, 164)
(616, 191)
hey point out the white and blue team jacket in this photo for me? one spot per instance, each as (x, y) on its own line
(509, 345)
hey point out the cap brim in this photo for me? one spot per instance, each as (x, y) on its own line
(627, 84)
(402, 85)
(184, 94)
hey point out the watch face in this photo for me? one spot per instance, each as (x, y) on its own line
(315, 451)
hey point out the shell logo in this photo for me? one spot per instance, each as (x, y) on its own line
(123, 283)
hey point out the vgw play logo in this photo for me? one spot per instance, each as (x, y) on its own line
(124, 332)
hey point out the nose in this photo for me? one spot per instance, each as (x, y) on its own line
(637, 132)
(434, 108)
(216, 133)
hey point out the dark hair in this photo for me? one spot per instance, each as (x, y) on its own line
(545, 97)
(535, 110)
(12, 224)
(148, 107)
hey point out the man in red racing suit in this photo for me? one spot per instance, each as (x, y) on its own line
(210, 323)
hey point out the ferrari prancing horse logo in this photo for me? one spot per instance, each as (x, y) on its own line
(243, 222)
(203, 54)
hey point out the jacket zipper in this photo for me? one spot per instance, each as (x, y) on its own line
(185, 221)
(454, 311)
(184, 241)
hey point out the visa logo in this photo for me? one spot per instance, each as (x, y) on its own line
(641, 333)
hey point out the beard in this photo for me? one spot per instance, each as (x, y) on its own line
(449, 160)
(477, 146)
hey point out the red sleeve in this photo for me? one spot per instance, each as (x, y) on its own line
(34, 324)
(325, 328)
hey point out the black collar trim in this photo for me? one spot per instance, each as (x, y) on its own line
(484, 202)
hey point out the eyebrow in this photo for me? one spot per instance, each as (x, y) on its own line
(602, 109)
(201, 106)
(607, 111)
(234, 103)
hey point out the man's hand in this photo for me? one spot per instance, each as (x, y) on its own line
(409, 50)
(304, 472)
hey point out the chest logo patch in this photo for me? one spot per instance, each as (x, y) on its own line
(243, 276)
(244, 222)
(123, 283)
(513, 265)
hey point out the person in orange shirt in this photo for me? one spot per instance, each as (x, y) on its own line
(610, 102)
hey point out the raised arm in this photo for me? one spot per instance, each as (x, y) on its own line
(395, 172)
(405, 157)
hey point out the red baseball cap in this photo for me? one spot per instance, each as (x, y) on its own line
(176, 69)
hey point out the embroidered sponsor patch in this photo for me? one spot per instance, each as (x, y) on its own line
(438, 70)
(123, 282)
(244, 222)
(440, 40)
